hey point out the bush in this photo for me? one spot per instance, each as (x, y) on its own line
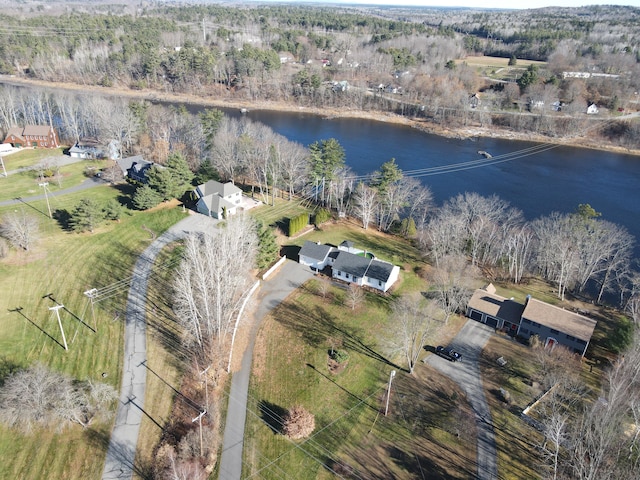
(298, 223)
(298, 423)
(321, 216)
(340, 356)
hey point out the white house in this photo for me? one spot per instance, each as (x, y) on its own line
(592, 109)
(217, 199)
(315, 255)
(350, 264)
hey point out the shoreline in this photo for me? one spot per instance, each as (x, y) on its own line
(386, 117)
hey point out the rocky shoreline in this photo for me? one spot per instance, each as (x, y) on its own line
(421, 124)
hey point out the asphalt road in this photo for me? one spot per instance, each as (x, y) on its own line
(466, 373)
(285, 280)
(120, 461)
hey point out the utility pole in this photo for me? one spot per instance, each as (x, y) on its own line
(199, 420)
(91, 294)
(57, 310)
(44, 186)
(386, 408)
(206, 387)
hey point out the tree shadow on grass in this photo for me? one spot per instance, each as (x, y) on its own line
(121, 454)
(316, 325)
(272, 415)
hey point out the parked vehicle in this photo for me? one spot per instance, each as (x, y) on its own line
(448, 353)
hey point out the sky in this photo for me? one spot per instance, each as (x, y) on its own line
(482, 3)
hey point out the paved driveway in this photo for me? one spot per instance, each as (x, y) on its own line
(469, 342)
(272, 291)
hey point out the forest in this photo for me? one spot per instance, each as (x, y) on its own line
(412, 62)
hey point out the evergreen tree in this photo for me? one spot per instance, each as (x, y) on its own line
(113, 210)
(86, 215)
(268, 248)
(146, 197)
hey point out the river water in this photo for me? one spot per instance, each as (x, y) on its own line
(558, 179)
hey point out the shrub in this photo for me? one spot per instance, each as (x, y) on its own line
(340, 356)
(297, 223)
(321, 216)
(298, 423)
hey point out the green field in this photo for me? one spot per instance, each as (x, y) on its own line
(291, 367)
(66, 264)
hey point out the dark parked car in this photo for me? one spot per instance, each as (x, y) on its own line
(448, 353)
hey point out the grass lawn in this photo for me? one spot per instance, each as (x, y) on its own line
(516, 441)
(498, 67)
(65, 265)
(28, 157)
(429, 427)
(26, 184)
(278, 214)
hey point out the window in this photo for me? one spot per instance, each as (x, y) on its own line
(379, 283)
(525, 321)
(347, 275)
(554, 331)
(524, 330)
(570, 337)
(581, 342)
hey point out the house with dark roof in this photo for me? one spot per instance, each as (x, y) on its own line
(35, 136)
(217, 199)
(135, 168)
(553, 325)
(350, 264)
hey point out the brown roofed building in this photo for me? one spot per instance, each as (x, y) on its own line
(553, 325)
(34, 136)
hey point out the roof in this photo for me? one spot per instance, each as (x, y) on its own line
(216, 188)
(559, 319)
(359, 266)
(315, 251)
(36, 130)
(347, 244)
(215, 203)
(496, 306)
(128, 163)
(31, 130)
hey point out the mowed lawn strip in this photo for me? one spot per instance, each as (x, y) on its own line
(65, 265)
(291, 367)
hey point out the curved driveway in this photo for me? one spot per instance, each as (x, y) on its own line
(120, 461)
(469, 342)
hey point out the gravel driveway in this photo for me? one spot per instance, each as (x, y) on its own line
(466, 373)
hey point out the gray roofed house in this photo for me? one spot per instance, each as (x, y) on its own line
(217, 199)
(87, 148)
(315, 255)
(350, 264)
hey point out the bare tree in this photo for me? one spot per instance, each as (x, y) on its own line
(298, 423)
(21, 229)
(39, 397)
(211, 283)
(364, 204)
(355, 295)
(414, 322)
(452, 283)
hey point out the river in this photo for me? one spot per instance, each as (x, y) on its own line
(558, 179)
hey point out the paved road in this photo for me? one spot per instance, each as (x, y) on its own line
(86, 184)
(469, 342)
(273, 291)
(120, 461)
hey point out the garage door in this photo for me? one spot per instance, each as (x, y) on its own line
(492, 322)
(476, 315)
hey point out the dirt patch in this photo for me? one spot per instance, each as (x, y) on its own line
(335, 368)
